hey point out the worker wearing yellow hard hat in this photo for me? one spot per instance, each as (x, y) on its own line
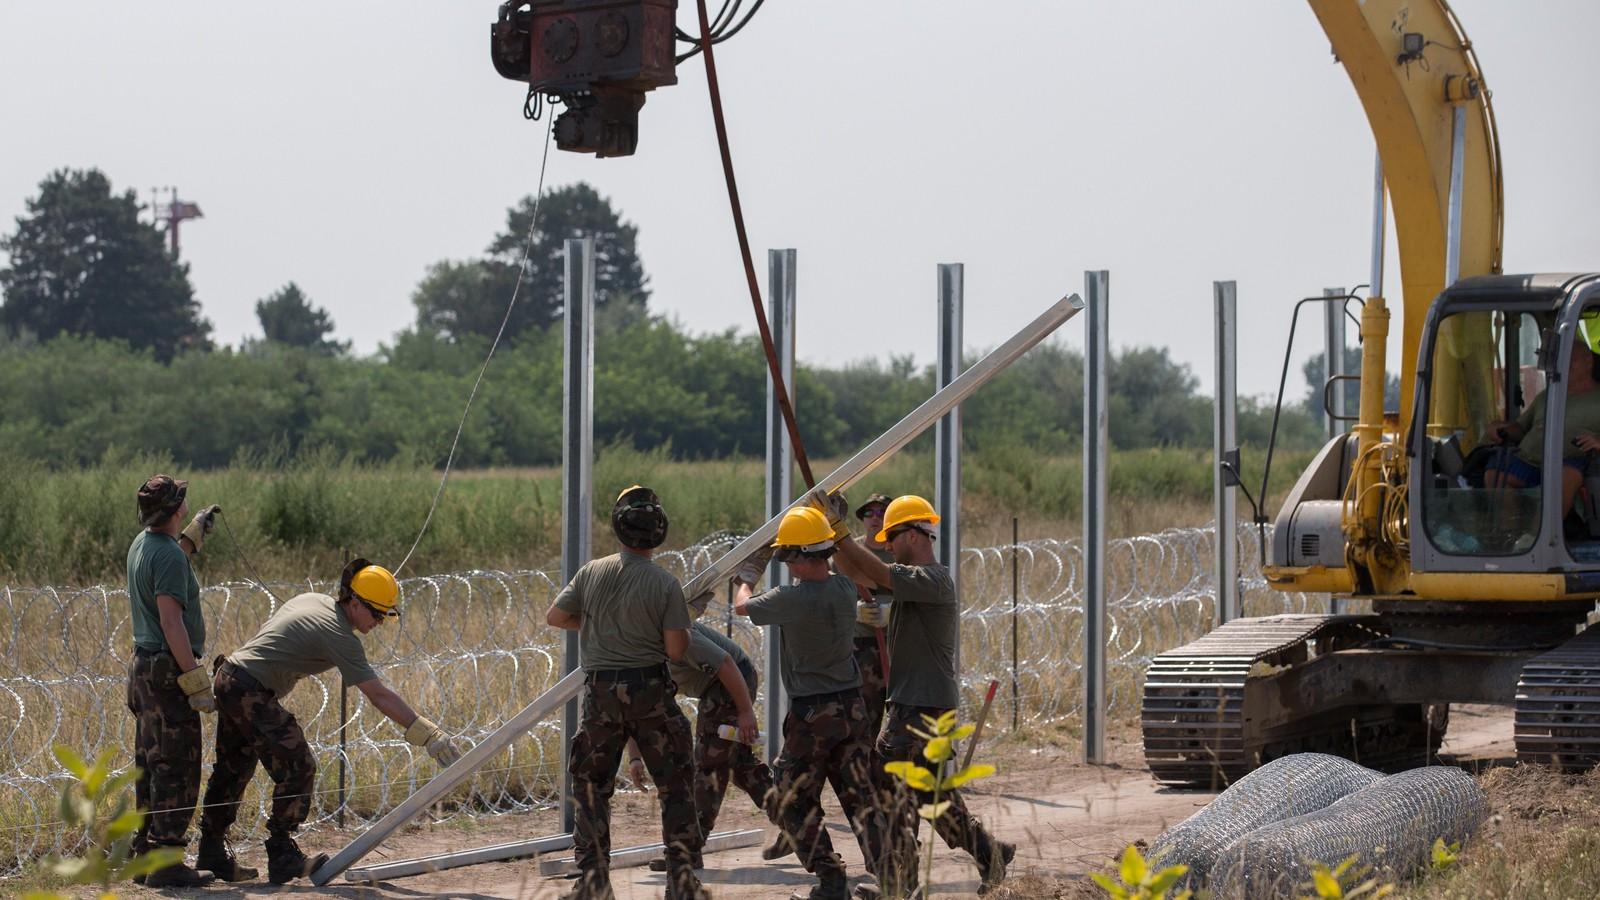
(824, 734)
(631, 621)
(924, 643)
(308, 635)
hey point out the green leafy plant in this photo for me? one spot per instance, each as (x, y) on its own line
(943, 737)
(1345, 881)
(96, 800)
(1140, 881)
(1444, 855)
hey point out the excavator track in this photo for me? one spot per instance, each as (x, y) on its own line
(1196, 731)
(1558, 705)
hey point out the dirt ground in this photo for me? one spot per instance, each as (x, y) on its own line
(1067, 819)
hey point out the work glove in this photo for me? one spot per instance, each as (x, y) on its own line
(636, 772)
(697, 606)
(203, 523)
(755, 566)
(197, 685)
(873, 615)
(836, 508)
(432, 738)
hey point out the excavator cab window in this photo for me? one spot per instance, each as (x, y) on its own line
(1485, 384)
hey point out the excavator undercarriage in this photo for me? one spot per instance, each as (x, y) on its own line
(1373, 688)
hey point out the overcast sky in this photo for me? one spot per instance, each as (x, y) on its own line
(348, 145)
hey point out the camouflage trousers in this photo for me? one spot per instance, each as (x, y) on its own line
(959, 829)
(874, 681)
(166, 748)
(252, 726)
(825, 740)
(718, 760)
(645, 709)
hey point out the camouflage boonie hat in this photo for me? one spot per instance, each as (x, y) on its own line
(638, 520)
(880, 500)
(159, 498)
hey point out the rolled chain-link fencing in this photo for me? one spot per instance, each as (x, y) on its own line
(473, 648)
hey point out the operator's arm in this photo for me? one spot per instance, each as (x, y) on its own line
(385, 700)
(171, 612)
(733, 680)
(861, 565)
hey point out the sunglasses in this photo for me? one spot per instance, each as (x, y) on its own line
(377, 613)
(905, 529)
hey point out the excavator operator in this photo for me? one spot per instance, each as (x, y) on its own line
(1521, 467)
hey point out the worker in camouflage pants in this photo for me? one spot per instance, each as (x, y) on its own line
(924, 641)
(824, 733)
(721, 675)
(306, 636)
(167, 687)
(631, 619)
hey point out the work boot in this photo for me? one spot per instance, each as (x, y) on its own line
(285, 862)
(992, 857)
(831, 885)
(780, 847)
(215, 858)
(696, 861)
(591, 886)
(686, 887)
(176, 875)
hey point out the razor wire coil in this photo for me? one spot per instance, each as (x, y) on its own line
(473, 648)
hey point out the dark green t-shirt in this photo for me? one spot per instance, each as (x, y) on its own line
(1583, 415)
(158, 565)
(707, 649)
(884, 596)
(626, 601)
(817, 638)
(923, 635)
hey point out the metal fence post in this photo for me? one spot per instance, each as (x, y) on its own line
(1333, 355)
(1225, 449)
(1096, 437)
(947, 434)
(577, 456)
(780, 465)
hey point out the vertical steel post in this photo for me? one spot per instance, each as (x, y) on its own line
(1224, 448)
(1333, 355)
(1016, 703)
(1333, 350)
(1096, 437)
(780, 464)
(947, 434)
(1452, 240)
(344, 722)
(577, 456)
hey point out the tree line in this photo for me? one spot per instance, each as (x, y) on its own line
(104, 352)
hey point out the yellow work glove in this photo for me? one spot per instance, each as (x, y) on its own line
(873, 615)
(755, 566)
(197, 685)
(203, 523)
(837, 510)
(432, 738)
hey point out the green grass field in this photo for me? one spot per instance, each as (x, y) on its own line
(299, 520)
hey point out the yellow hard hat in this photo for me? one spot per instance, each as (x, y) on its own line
(904, 511)
(804, 528)
(376, 586)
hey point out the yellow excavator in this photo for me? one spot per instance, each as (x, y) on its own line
(1480, 565)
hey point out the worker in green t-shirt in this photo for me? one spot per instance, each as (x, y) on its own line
(825, 735)
(631, 620)
(924, 642)
(167, 688)
(306, 636)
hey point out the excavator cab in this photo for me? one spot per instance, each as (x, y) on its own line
(1501, 349)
